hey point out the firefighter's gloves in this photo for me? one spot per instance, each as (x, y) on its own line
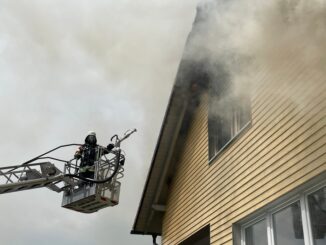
(78, 153)
(110, 146)
(77, 156)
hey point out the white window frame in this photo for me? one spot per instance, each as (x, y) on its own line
(250, 223)
(268, 215)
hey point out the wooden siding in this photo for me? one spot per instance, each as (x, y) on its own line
(284, 147)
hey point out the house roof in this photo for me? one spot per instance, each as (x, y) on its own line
(183, 98)
(152, 205)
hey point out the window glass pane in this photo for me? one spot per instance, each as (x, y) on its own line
(287, 226)
(212, 135)
(317, 209)
(256, 234)
(228, 113)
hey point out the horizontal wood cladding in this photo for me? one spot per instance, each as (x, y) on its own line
(262, 146)
(284, 147)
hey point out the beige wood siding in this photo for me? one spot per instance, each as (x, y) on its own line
(284, 147)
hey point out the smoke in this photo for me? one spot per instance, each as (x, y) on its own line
(70, 66)
(247, 38)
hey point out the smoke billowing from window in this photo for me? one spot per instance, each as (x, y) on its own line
(250, 38)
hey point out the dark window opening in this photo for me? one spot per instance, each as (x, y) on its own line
(201, 237)
(229, 112)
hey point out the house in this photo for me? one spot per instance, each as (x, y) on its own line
(241, 166)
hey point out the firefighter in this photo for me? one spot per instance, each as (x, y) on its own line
(88, 154)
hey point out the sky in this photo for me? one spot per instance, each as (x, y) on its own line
(67, 67)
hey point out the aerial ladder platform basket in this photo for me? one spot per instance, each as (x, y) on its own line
(88, 197)
(79, 193)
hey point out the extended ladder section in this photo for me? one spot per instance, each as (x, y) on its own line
(31, 176)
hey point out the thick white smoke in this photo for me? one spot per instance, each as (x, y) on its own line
(249, 36)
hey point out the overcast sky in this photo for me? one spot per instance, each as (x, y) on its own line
(67, 67)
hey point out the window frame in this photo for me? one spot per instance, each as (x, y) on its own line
(235, 100)
(268, 212)
(250, 223)
(233, 139)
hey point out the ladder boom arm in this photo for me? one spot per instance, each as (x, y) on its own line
(31, 176)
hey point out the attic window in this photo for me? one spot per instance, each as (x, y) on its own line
(229, 114)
